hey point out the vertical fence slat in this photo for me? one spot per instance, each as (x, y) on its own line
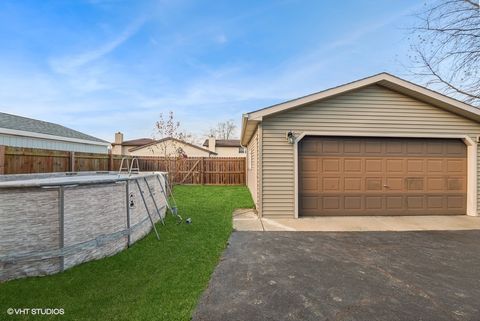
(2, 160)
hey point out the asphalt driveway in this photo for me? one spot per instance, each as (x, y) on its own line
(346, 276)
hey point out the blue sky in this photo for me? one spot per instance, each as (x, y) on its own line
(106, 66)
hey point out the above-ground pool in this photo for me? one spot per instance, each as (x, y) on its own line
(51, 222)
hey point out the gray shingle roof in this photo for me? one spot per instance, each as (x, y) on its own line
(224, 143)
(15, 122)
(137, 142)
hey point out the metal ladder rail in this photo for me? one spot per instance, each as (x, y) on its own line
(121, 165)
(173, 210)
(154, 202)
(137, 169)
(146, 207)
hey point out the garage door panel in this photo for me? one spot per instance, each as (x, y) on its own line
(373, 184)
(373, 203)
(353, 165)
(395, 165)
(381, 176)
(331, 184)
(395, 184)
(309, 146)
(394, 202)
(353, 203)
(351, 147)
(455, 202)
(456, 183)
(436, 202)
(309, 203)
(373, 147)
(394, 147)
(415, 147)
(456, 150)
(310, 164)
(415, 202)
(435, 165)
(331, 165)
(310, 184)
(415, 166)
(435, 148)
(436, 183)
(374, 165)
(414, 184)
(353, 184)
(331, 147)
(331, 202)
(455, 166)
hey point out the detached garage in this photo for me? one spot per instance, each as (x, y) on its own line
(377, 146)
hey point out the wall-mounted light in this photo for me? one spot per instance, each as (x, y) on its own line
(290, 137)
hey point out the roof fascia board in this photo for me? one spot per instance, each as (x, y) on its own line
(384, 79)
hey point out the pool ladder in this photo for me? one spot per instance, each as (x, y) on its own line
(130, 169)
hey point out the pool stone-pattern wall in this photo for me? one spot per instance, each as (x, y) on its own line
(94, 225)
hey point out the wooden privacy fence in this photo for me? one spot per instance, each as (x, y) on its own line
(191, 170)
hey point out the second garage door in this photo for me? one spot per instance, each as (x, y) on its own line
(381, 176)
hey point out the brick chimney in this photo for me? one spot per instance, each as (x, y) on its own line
(118, 138)
(211, 143)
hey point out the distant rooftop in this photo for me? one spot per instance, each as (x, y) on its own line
(137, 142)
(224, 143)
(14, 122)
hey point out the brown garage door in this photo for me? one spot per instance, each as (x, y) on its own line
(381, 176)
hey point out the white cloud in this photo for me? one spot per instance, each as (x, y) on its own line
(68, 64)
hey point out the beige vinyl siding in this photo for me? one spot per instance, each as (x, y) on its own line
(252, 167)
(370, 110)
(478, 178)
(42, 143)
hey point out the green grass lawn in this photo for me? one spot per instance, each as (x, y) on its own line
(152, 280)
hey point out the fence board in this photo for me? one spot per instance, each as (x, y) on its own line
(191, 170)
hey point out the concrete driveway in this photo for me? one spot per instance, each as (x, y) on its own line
(427, 275)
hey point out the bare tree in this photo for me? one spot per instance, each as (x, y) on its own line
(223, 130)
(168, 134)
(446, 48)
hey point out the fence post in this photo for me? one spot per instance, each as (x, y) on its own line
(72, 161)
(2, 160)
(202, 172)
(61, 226)
(110, 161)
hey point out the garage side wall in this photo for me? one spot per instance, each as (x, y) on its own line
(370, 110)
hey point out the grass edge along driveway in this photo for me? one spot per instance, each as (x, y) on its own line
(152, 280)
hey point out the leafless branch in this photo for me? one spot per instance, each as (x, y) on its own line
(446, 48)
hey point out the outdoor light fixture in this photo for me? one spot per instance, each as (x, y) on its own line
(290, 137)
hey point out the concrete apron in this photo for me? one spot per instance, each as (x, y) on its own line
(247, 220)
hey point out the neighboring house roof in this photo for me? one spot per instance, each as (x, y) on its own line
(136, 142)
(251, 120)
(23, 126)
(224, 143)
(154, 142)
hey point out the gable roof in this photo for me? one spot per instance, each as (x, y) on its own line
(23, 126)
(154, 142)
(136, 142)
(251, 120)
(224, 143)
